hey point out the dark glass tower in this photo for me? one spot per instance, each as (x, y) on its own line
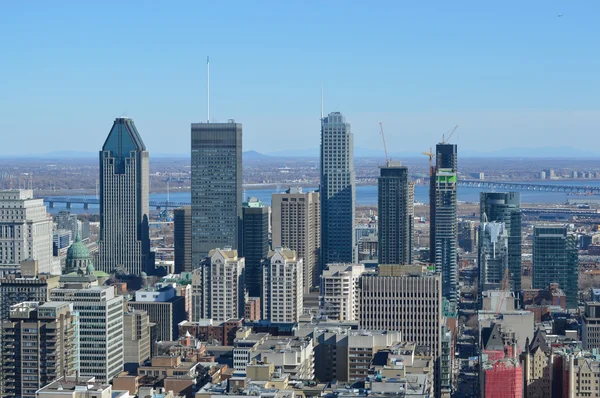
(182, 234)
(443, 232)
(216, 187)
(337, 191)
(395, 215)
(124, 184)
(505, 207)
(555, 260)
(255, 243)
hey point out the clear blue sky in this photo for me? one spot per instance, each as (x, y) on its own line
(510, 73)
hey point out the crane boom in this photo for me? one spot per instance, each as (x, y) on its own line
(387, 159)
(444, 139)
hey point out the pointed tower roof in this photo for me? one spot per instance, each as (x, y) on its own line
(492, 338)
(123, 138)
(539, 341)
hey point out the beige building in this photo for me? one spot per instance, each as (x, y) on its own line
(537, 367)
(136, 339)
(29, 286)
(590, 329)
(296, 224)
(78, 387)
(218, 286)
(404, 299)
(40, 343)
(582, 376)
(282, 298)
(340, 293)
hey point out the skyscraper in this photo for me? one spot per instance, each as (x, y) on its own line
(216, 187)
(282, 286)
(255, 242)
(124, 189)
(555, 260)
(395, 215)
(297, 225)
(443, 227)
(40, 345)
(182, 239)
(493, 255)
(505, 207)
(337, 191)
(25, 233)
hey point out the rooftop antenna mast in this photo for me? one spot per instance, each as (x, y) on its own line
(208, 89)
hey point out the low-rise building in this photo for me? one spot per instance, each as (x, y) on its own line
(77, 387)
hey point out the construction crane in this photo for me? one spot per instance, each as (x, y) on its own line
(431, 156)
(444, 139)
(505, 288)
(387, 159)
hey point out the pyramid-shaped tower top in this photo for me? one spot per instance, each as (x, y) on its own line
(123, 138)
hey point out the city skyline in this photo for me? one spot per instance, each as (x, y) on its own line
(445, 74)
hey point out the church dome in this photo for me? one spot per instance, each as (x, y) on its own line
(78, 250)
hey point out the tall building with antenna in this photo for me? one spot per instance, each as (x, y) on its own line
(442, 204)
(124, 209)
(216, 187)
(337, 191)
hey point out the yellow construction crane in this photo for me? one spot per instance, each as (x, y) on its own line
(387, 159)
(444, 139)
(431, 156)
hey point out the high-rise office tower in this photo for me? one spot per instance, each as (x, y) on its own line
(493, 255)
(443, 226)
(467, 236)
(340, 291)
(296, 219)
(182, 237)
(40, 345)
(218, 287)
(337, 191)
(136, 339)
(505, 207)
(100, 329)
(282, 286)
(68, 220)
(164, 308)
(255, 242)
(124, 189)
(216, 187)
(25, 232)
(555, 260)
(395, 215)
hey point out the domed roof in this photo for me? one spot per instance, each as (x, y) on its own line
(90, 269)
(78, 250)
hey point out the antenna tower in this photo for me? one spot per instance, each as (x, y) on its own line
(207, 89)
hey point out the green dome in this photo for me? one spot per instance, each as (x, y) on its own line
(90, 269)
(78, 251)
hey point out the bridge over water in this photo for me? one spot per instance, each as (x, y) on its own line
(483, 184)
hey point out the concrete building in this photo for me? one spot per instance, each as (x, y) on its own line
(61, 239)
(590, 330)
(282, 296)
(296, 224)
(340, 292)
(100, 329)
(25, 233)
(404, 299)
(255, 242)
(555, 260)
(124, 193)
(505, 207)
(218, 286)
(443, 227)
(537, 367)
(337, 191)
(40, 344)
(29, 285)
(136, 339)
(396, 215)
(164, 308)
(222, 333)
(77, 387)
(344, 354)
(216, 187)
(69, 221)
(182, 237)
(294, 355)
(492, 255)
(467, 236)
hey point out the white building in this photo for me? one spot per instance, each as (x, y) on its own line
(218, 286)
(282, 286)
(100, 329)
(25, 232)
(340, 295)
